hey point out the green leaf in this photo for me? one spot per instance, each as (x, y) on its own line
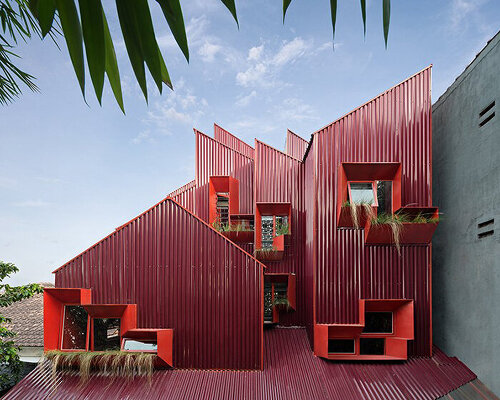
(45, 14)
(129, 31)
(173, 14)
(93, 34)
(111, 65)
(232, 8)
(165, 77)
(387, 18)
(147, 39)
(333, 11)
(286, 3)
(73, 35)
(363, 14)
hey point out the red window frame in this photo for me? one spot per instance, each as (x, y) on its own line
(87, 337)
(374, 188)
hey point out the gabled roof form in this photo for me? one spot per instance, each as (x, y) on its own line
(295, 145)
(290, 372)
(227, 138)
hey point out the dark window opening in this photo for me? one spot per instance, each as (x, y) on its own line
(384, 197)
(487, 119)
(268, 302)
(341, 346)
(486, 223)
(485, 234)
(74, 328)
(378, 322)
(361, 192)
(486, 109)
(267, 231)
(139, 345)
(282, 225)
(222, 208)
(371, 347)
(106, 334)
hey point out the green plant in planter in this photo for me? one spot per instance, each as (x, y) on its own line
(265, 251)
(282, 229)
(239, 227)
(365, 205)
(281, 301)
(395, 222)
(220, 226)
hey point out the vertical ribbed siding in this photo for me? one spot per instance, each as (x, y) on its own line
(185, 195)
(280, 178)
(295, 145)
(214, 158)
(393, 127)
(182, 274)
(232, 141)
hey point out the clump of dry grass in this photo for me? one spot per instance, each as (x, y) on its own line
(362, 206)
(395, 222)
(113, 363)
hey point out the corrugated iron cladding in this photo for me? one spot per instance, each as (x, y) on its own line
(295, 145)
(185, 195)
(182, 274)
(290, 372)
(214, 158)
(232, 141)
(394, 127)
(280, 178)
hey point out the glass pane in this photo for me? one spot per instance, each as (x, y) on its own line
(106, 334)
(371, 347)
(362, 192)
(223, 208)
(267, 232)
(75, 328)
(282, 225)
(378, 322)
(341, 346)
(384, 197)
(139, 345)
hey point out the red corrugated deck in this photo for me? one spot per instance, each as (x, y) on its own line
(290, 372)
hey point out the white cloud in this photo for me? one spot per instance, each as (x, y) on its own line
(294, 109)
(208, 51)
(255, 52)
(465, 12)
(31, 204)
(245, 100)
(252, 75)
(291, 51)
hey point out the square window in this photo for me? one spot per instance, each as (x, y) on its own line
(378, 322)
(75, 324)
(341, 346)
(139, 345)
(371, 347)
(362, 192)
(106, 334)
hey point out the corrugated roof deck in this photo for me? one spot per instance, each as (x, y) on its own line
(290, 372)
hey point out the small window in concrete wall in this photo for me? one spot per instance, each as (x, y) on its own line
(341, 346)
(74, 335)
(487, 114)
(378, 322)
(486, 228)
(371, 347)
(106, 334)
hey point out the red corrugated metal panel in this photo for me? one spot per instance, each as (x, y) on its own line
(214, 158)
(280, 178)
(295, 145)
(291, 372)
(394, 127)
(185, 195)
(232, 141)
(182, 274)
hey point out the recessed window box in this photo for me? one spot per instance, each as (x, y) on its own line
(279, 295)
(274, 252)
(272, 230)
(240, 228)
(224, 192)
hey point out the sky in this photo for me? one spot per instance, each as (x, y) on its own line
(71, 171)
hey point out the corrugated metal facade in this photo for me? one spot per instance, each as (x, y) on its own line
(290, 372)
(295, 145)
(185, 195)
(393, 127)
(182, 274)
(214, 158)
(280, 178)
(232, 141)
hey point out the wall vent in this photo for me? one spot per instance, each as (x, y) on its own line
(486, 228)
(487, 114)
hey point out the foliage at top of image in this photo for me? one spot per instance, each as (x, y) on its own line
(9, 357)
(84, 26)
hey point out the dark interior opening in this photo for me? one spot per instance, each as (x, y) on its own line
(268, 302)
(371, 347)
(75, 328)
(384, 197)
(106, 334)
(487, 108)
(223, 208)
(341, 346)
(378, 322)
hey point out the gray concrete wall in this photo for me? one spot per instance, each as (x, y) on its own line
(466, 188)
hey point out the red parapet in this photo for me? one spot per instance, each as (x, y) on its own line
(346, 216)
(163, 339)
(239, 236)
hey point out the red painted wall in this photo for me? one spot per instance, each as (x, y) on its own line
(185, 195)
(295, 145)
(184, 275)
(232, 141)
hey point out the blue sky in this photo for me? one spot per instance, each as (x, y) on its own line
(70, 173)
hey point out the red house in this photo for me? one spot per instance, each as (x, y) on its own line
(332, 235)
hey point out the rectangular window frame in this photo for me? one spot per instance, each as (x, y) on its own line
(91, 338)
(380, 333)
(373, 355)
(374, 189)
(343, 354)
(124, 339)
(87, 337)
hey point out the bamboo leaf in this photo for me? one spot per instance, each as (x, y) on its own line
(45, 14)
(333, 11)
(93, 34)
(165, 77)
(111, 65)
(363, 14)
(232, 8)
(173, 14)
(286, 3)
(132, 45)
(73, 35)
(387, 18)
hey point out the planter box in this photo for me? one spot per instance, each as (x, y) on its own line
(239, 236)
(274, 254)
(345, 219)
(411, 233)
